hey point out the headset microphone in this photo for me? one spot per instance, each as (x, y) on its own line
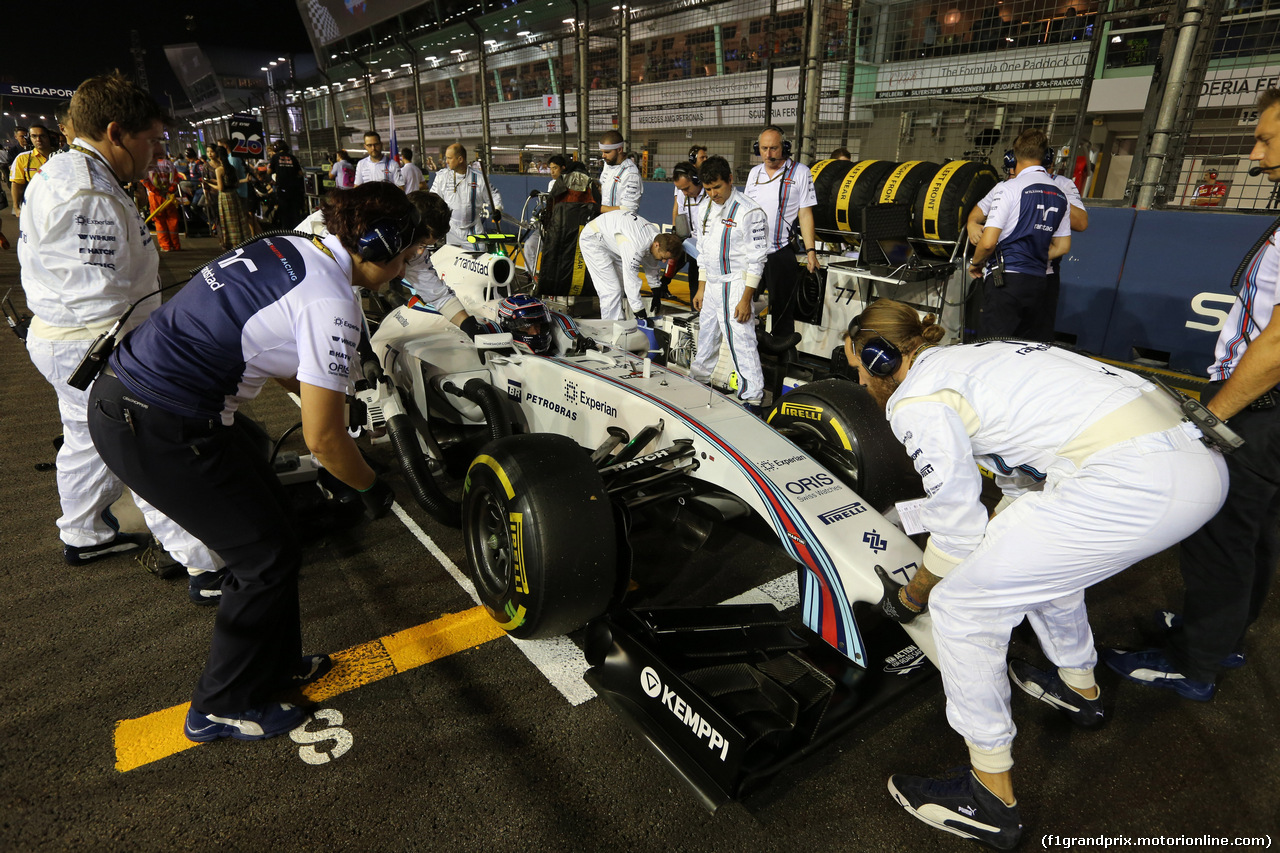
(1258, 170)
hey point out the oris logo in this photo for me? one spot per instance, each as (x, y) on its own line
(805, 484)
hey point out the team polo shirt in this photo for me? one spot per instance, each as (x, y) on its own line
(277, 308)
(692, 208)
(369, 170)
(1067, 185)
(1250, 314)
(25, 166)
(1030, 211)
(790, 189)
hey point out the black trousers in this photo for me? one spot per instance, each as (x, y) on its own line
(214, 481)
(779, 280)
(1016, 310)
(1227, 565)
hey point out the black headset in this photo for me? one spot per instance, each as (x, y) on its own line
(879, 356)
(786, 143)
(687, 170)
(388, 238)
(693, 153)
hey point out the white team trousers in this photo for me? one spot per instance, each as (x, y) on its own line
(1127, 502)
(86, 486)
(715, 320)
(606, 274)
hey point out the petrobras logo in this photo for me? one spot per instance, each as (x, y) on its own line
(905, 661)
(877, 542)
(841, 513)
(799, 410)
(550, 405)
(576, 396)
(515, 391)
(651, 684)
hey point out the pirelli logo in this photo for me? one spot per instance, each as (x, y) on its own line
(841, 513)
(516, 529)
(799, 410)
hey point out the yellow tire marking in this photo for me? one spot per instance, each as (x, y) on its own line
(844, 439)
(497, 470)
(158, 735)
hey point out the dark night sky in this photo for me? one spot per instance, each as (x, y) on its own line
(92, 37)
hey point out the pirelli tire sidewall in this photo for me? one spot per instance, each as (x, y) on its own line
(844, 415)
(539, 535)
(944, 202)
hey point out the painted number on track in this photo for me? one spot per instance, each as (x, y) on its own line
(341, 738)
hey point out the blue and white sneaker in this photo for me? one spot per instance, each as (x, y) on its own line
(1050, 689)
(1152, 668)
(1173, 622)
(121, 543)
(267, 721)
(205, 588)
(960, 805)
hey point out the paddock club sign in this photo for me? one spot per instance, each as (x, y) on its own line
(19, 90)
(992, 73)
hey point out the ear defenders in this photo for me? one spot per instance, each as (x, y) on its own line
(693, 154)
(388, 238)
(786, 143)
(687, 170)
(1010, 161)
(879, 356)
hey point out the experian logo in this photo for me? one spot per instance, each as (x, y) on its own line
(653, 687)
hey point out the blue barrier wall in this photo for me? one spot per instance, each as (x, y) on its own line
(1175, 287)
(1091, 276)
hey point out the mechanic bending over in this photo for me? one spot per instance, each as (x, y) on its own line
(1079, 217)
(1094, 481)
(1228, 564)
(162, 416)
(616, 246)
(78, 280)
(421, 275)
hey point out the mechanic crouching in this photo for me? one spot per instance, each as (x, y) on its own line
(162, 417)
(1094, 481)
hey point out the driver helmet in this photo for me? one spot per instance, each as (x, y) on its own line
(528, 321)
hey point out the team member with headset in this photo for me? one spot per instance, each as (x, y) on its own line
(689, 202)
(162, 416)
(1079, 215)
(620, 182)
(1094, 481)
(1228, 564)
(1027, 227)
(86, 255)
(783, 188)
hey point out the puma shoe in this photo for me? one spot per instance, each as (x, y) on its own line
(1050, 689)
(267, 721)
(1154, 669)
(960, 805)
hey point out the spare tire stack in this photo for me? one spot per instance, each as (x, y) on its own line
(943, 204)
(940, 197)
(843, 188)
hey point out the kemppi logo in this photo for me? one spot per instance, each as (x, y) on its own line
(651, 684)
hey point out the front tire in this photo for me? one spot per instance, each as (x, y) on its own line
(839, 423)
(539, 534)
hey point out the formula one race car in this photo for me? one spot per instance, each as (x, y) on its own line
(559, 454)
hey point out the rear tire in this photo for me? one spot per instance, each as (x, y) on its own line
(539, 534)
(841, 425)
